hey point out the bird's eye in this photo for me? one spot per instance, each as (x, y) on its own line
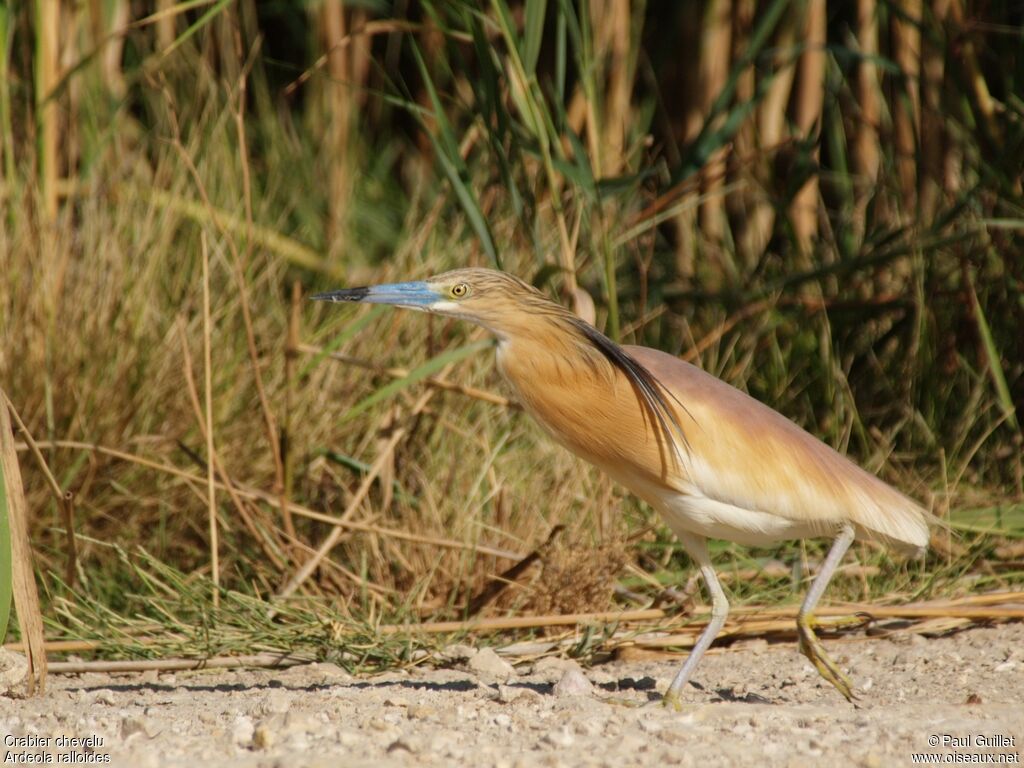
(459, 290)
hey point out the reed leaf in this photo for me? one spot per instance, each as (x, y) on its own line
(419, 373)
(452, 164)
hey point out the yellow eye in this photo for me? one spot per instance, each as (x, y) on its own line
(459, 290)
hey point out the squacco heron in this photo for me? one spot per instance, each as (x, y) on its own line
(714, 462)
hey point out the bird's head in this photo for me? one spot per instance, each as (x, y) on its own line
(496, 300)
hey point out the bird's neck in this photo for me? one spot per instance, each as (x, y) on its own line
(550, 355)
(567, 386)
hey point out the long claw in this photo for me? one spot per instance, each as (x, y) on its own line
(811, 647)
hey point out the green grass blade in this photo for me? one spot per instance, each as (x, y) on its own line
(6, 123)
(197, 25)
(995, 366)
(428, 368)
(362, 467)
(6, 571)
(533, 32)
(343, 338)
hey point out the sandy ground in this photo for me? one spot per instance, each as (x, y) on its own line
(959, 697)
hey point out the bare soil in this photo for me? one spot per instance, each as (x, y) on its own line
(960, 695)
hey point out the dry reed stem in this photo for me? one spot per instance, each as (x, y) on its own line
(865, 152)
(33, 446)
(906, 47)
(332, 23)
(23, 583)
(744, 205)
(67, 508)
(291, 351)
(933, 71)
(810, 98)
(498, 584)
(934, 616)
(164, 24)
(214, 458)
(298, 509)
(715, 60)
(47, 64)
(208, 391)
(376, 591)
(403, 373)
(58, 646)
(611, 24)
(250, 334)
(771, 129)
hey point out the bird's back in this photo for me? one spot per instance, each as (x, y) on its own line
(745, 454)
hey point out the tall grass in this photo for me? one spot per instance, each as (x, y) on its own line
(827, 215)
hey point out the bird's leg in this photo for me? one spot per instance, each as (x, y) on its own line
(697, 548)
(810, 645)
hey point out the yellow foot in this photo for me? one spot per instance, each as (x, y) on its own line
(811, 647)
(672, 700)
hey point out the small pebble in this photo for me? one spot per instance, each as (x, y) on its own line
(573, 683)
(488, 663)
(560, 738)
(242, 730)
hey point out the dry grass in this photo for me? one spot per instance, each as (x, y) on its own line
(204, 179)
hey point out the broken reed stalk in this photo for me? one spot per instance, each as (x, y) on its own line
(23, 584)
(65, 499)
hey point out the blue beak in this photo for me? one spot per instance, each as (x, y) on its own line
(416, 295)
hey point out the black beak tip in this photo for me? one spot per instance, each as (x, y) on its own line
(348, 294)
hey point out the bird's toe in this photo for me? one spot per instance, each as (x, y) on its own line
(812, 648)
